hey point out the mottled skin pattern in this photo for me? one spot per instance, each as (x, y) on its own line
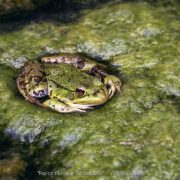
(37, 81)
(79, 62)
(22, 81)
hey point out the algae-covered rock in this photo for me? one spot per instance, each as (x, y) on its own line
(136, 134)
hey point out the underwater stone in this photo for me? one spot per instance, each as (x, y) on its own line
(25, 129)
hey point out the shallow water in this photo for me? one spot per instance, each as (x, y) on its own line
(136, 133)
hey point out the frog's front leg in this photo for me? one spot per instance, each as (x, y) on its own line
(61, 107)
(113, 84)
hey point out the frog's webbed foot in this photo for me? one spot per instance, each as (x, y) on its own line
(113, 84)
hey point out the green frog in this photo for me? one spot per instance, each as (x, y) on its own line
(67, 83)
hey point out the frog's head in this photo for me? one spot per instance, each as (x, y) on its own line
(91, 94)
(95, 94)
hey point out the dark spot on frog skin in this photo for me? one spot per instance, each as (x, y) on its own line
(94, 69)
(53, 106)
(21, 83)
(40, 94)
(108, 86)
(37, 78)
(35, 93)
(22, 76)
(80, 64)
(95, 93)
(63, 59)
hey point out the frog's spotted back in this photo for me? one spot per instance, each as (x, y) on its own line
(67, 76)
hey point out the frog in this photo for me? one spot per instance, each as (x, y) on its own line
(67, 83)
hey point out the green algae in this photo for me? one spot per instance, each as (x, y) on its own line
(136, 134)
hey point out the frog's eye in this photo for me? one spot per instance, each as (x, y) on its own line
(80, 91)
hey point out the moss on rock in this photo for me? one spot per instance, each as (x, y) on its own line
(135, 132)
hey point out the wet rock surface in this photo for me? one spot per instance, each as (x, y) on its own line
(137, 131)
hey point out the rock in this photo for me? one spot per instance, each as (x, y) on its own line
(136, 131)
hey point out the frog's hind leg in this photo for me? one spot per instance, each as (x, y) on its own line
(22, 89)
(63, 58)
(82, 63)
